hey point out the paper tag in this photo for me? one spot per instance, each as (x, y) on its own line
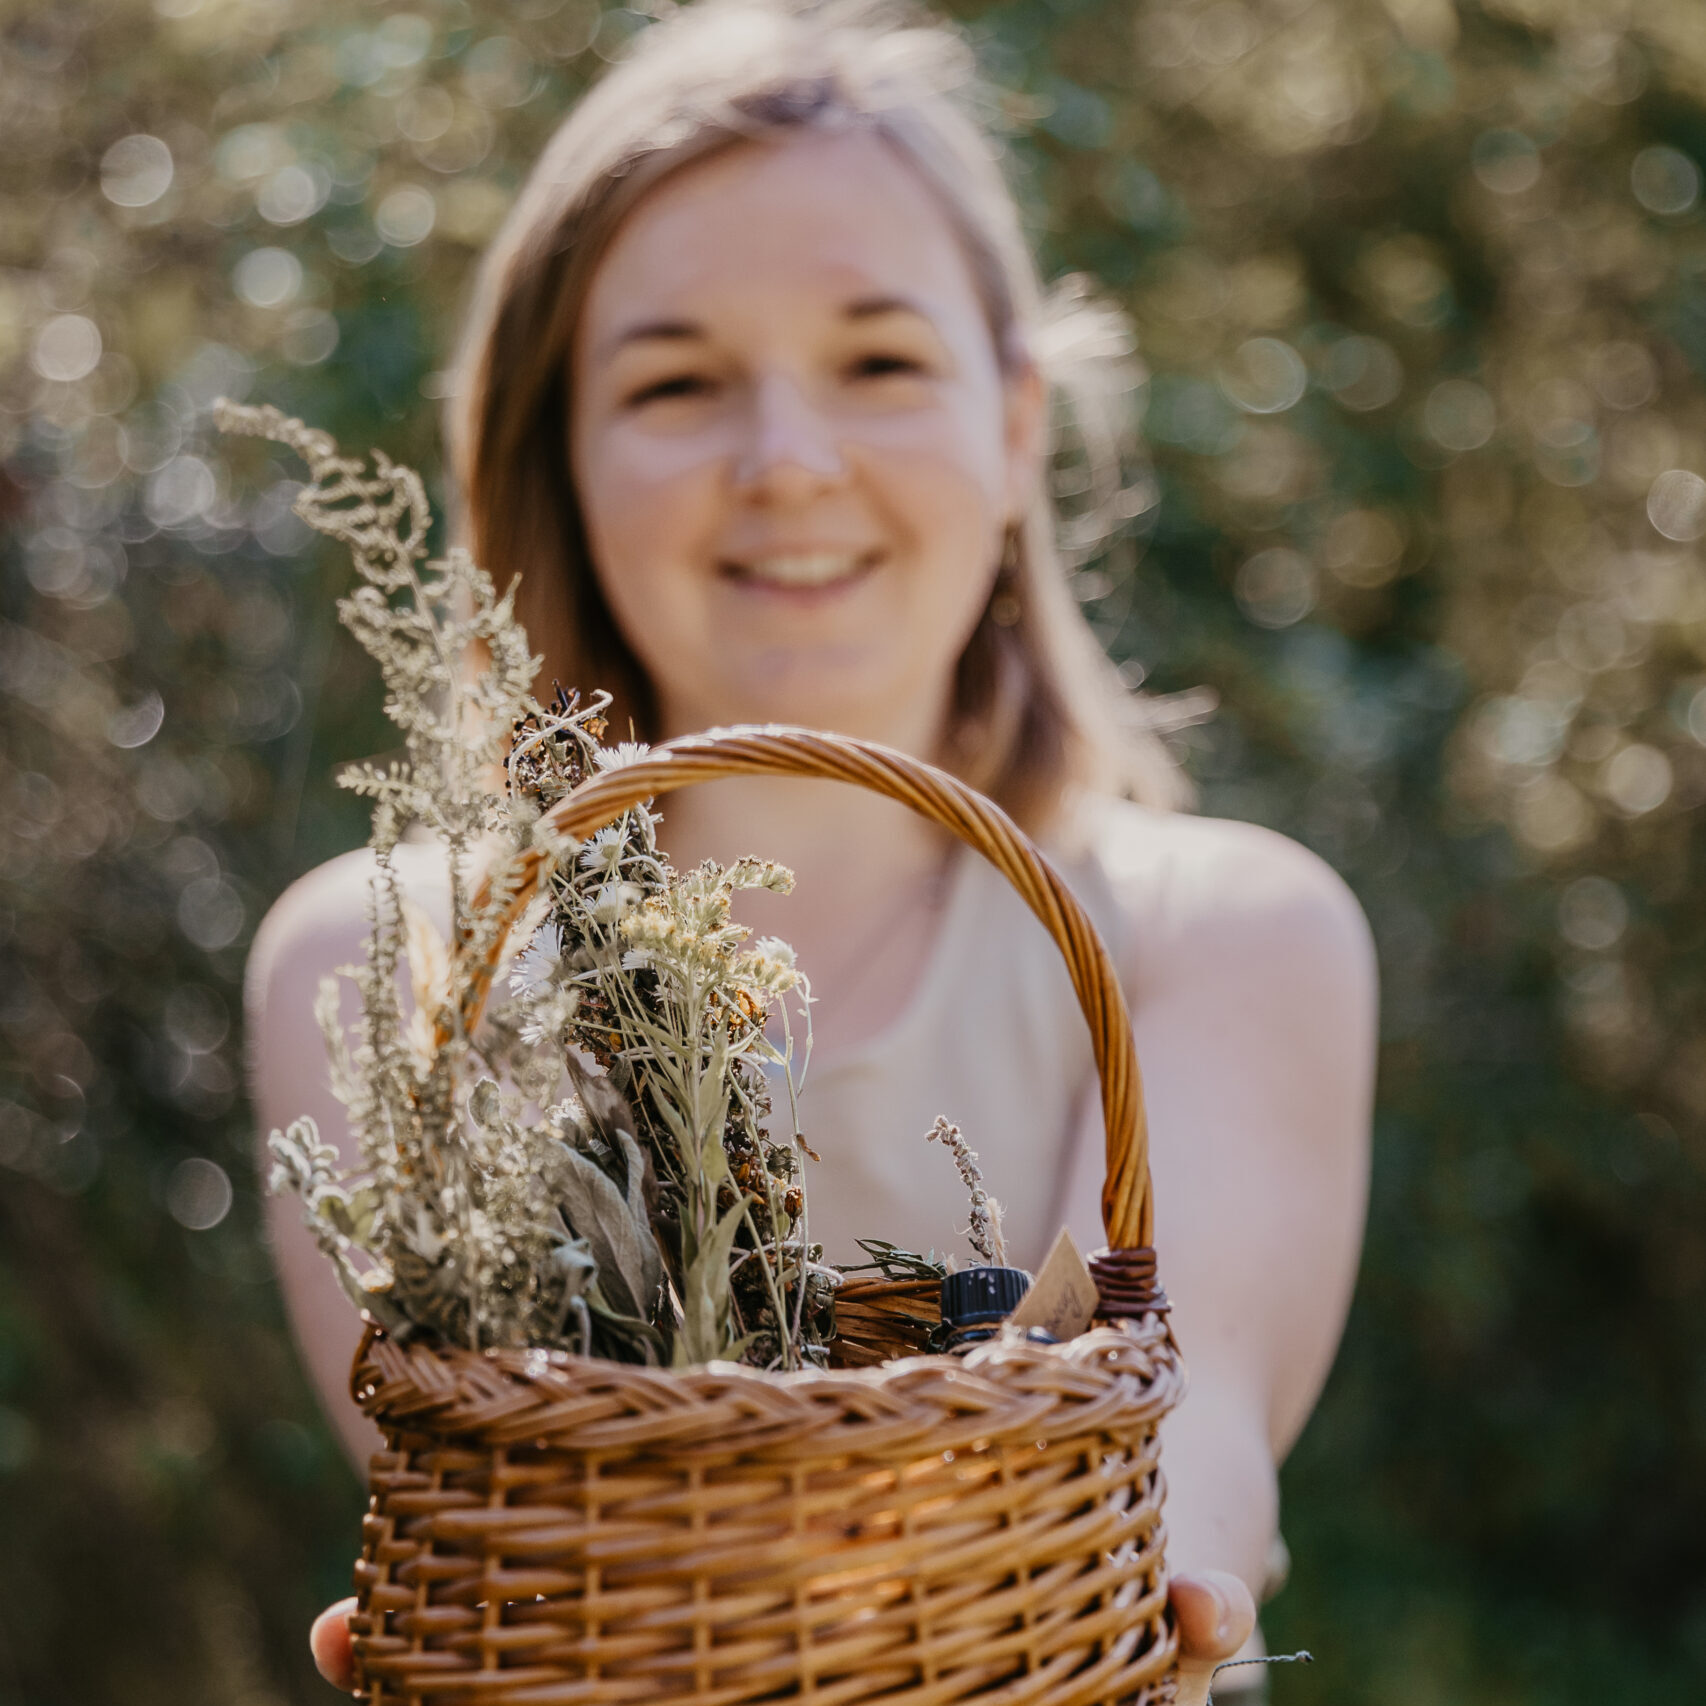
(1063, 1298)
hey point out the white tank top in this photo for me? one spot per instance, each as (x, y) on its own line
(993, 1038)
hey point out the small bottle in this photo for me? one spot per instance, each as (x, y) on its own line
(975, 1301)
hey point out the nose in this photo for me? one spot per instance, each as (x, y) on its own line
(790, 451)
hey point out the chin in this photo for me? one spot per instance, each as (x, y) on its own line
(841, 688)
(849, 713)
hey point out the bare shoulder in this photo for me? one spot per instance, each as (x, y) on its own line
(1205, 896)
(320, 921)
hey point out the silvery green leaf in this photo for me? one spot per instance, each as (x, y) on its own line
(711, 1091)
(643, 1333)
(574, 1260)
(629, 1263)
(639, 1210)
(671, 1117)
(705, 1299)
(735, 1349)
(605, 1105)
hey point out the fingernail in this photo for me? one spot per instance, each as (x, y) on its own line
(1223, 1628)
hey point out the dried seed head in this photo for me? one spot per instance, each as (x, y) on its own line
(984, 1233)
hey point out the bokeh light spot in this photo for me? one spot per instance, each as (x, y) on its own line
(1363, 373)
(136, 725)
(199, 1194)
(1624, 375)
(1505, 161)
(424, 115)
(1363, 548)
(1276, 588)
(250, 152)
(354, 245)
(406, 216)
(1408, 281)
(197, 1020)
(210, 913)
(1676, 504)
(1459, 415)
(1265, 377)
(1696, 716)
(267, 277)
(180, 492)
(66, 348)
(149, 439)
(1637, 780)
(278, 530)
(1592, 914)
(1664, 180)
(404, 38)
(293, 194)
(136, 171)
(1515, 730)
(498, 72)
(309, 338)
(1551, 814)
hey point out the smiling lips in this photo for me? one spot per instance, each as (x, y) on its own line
(802, 571)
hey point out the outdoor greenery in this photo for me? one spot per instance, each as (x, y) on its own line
(1419, 285)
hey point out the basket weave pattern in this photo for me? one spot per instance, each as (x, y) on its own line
(552, 1530)
(597, 1531)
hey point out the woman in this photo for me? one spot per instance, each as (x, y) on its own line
(755, 400)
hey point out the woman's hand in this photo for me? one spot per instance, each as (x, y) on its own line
(329, 1641)
(1214, 1609)
(1215, 1614)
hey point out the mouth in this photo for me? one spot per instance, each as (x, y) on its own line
(802, 571)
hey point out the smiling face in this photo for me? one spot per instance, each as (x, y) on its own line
(794, 445)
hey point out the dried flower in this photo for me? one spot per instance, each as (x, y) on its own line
(984, 1233)
(645, 1215)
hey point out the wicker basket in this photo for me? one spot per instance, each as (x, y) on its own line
(566, 1531)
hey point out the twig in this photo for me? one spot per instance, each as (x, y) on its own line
(1300, 1657)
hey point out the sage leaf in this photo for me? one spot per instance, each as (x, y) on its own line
(630, 1265)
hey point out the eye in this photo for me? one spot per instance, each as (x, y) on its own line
(885, 364)
(677, 385)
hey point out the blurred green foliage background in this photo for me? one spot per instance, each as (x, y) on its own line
(1419, 285)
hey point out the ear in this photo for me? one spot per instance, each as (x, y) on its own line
(1025, 407)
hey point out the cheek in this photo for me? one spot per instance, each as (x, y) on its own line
(942, 477)
(646, 505)
(644, 500)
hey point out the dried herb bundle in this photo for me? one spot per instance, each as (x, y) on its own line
(590, 1166)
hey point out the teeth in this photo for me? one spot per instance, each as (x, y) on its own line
(818, 568)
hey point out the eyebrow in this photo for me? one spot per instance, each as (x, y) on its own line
(874, 307)
(690, 331)
(678, 331)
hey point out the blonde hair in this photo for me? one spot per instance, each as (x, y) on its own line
(1039, 711)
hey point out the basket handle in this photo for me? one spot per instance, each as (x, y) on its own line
(775, 750)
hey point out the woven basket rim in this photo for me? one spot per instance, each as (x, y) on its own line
(1121, 1375)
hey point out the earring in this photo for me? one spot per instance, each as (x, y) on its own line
(1004, 606)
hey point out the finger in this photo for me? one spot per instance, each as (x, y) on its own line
(329, 1641)
(1215, 1614)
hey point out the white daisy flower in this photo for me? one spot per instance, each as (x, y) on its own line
(621, 755)
(536, 965)
(612, 901)
(603, 852)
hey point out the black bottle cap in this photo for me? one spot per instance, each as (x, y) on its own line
(982, 1294)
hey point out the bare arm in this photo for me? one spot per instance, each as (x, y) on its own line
(317, 925)
(1253, 984)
